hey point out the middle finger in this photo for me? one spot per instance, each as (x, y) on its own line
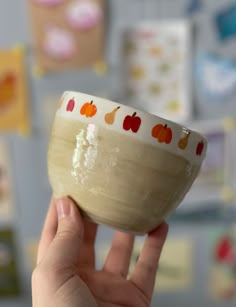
(118, 259)
(87, 255)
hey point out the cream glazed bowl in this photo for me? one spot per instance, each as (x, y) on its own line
(125, 168)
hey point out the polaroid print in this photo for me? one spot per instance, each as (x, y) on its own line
(174, 273)
(6, 197)
(212, 173)
(217, 172)
(215, 183)
(67, 35)
(155, 70)
(215, 78)
(222, 281)
(226, 23)
(9, 278)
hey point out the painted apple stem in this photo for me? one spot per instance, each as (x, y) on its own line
(91, 102)
(117, 108)
(134, 114)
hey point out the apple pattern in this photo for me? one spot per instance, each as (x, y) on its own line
(132, 123)
(161, 132)
(70, 105)
(88, 109)
(199, 149)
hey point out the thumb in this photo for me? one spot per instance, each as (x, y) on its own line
(66, 246)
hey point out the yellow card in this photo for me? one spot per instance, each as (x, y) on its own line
(6, 197)
(222, 281)
(13, 92)
(175, 266)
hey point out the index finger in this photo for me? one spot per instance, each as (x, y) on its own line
(49, 230)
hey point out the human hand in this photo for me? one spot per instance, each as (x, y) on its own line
(65, 275)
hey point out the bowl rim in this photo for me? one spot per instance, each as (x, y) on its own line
(148, 118)
(141, 112)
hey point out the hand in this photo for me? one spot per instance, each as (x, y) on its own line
(65, 275)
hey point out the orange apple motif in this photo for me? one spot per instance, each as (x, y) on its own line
(70, 105)
(162, 133)
(132, 123)
(88, 109)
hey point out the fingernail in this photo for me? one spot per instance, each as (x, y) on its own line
(63, 208)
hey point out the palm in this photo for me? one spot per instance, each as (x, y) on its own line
(66, 273)
(110, 286)
(112, 290)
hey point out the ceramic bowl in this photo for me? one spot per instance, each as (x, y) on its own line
(125, 168)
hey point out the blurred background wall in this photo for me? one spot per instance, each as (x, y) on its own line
(192, 232)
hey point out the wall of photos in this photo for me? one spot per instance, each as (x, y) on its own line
(193, 81)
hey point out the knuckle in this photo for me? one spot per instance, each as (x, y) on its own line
(141, 298)
(67, 233)
(148, 268)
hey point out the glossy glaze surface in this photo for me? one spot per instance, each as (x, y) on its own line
(116, 179)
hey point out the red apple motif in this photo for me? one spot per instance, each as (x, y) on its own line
(132, 122)
(70, 105)
(200, 148)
